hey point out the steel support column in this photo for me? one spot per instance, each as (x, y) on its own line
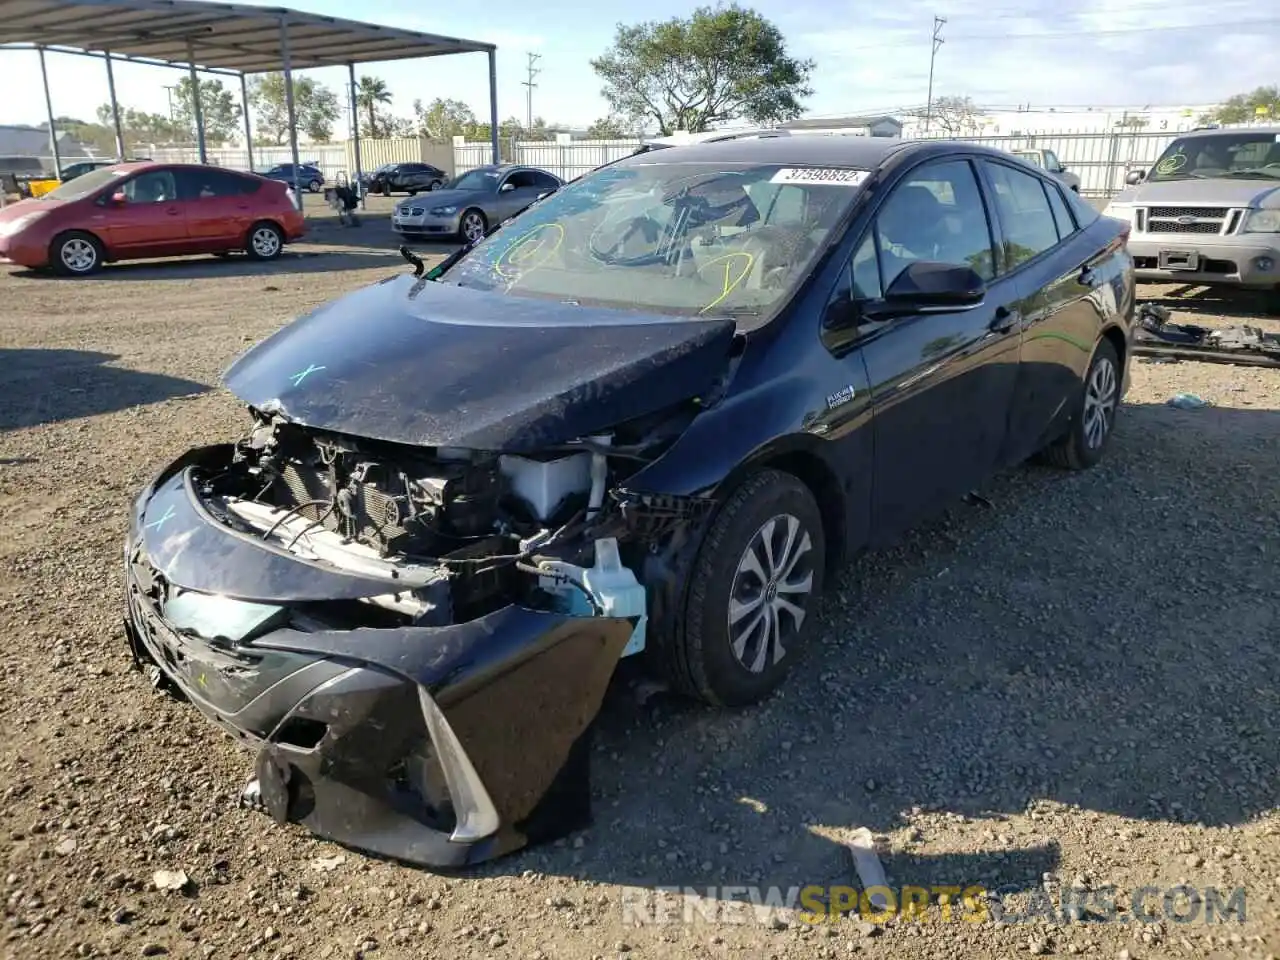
(248, 133)
(48, 106)
(493, 105)
(195, 102)
(288, 100)
(115, 109)
(355, 133)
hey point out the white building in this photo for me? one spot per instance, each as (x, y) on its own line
(1001, 121)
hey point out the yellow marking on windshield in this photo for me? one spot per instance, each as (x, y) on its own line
(546, 238)
(730, 281)
(1171, 164)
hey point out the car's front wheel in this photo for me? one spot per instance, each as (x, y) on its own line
(76, 254)
(756, 578)
(473, 226)
(314, 186)
(1086, 439)
(435, 185)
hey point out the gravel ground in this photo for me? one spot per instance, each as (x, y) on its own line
(1074, 685)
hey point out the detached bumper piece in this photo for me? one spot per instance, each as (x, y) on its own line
(1243, 345)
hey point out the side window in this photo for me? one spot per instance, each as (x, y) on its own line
(155, 186)
(211, 183)
(866, 271)
(1061, 215)
(1027, 221)
(544, 181)
(1051, 161)
(935, 214)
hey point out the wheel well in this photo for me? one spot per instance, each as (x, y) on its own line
(88, 233)
(814, 473)
(265, 221)
(1117, 340)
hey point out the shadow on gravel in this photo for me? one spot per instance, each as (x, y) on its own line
(1102, 640)
(1216, 301)
(46, 386)
(375, 233)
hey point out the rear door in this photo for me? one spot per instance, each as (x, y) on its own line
(1043, 250)
(152, 219)
(218, 204)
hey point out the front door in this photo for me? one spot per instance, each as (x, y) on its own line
(515, 193)
(941, 382)
(150, 220)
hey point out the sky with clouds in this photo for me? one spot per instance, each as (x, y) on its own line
(869, 56)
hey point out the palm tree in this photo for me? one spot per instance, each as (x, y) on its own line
(370, 92)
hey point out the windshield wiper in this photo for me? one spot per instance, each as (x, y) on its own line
(1254, 172)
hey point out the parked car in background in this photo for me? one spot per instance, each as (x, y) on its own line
(468, 205)
(652, 417)
(140, 211)
(1208, 210)
(410, 178)
(1048, 161)
(310, 177)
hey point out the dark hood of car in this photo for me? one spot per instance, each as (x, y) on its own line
(447, 198)
(426, 363)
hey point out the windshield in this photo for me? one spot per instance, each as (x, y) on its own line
(1245, 154)
(677, 238)
(85, 184)
(1031, 156)
(478, 179)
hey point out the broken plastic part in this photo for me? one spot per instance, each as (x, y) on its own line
(599, 476)
(477, 817)
(652, 516)
(613, 589)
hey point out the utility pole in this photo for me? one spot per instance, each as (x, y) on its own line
(936, 42)
(169, 90)
(529, 85)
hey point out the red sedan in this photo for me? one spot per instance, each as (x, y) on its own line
(138, 211)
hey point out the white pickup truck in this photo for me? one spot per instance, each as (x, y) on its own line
(1048, 161)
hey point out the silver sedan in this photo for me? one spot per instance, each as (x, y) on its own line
(469, 204)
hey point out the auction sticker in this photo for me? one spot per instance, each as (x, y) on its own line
(820, 176)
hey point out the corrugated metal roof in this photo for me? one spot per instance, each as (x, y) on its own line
(223, 36)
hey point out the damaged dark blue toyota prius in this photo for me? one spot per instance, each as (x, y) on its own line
(647, 416)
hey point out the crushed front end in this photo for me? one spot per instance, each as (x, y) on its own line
(414, 640)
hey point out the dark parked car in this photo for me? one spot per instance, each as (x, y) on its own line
(410, 178)
(651, 414)
(310, 177)
(469, 205)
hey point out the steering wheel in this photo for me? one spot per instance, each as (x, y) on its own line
(645, 225)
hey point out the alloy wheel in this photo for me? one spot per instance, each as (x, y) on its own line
(1100, 397)
(78, 255)
(771, 588)
(266, 242)
(472, 227)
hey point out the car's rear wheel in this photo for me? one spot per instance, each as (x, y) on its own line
(755, 580)
(76, 254)
(314, 186)
(265, 242)
(473, 225)
(1086, 439)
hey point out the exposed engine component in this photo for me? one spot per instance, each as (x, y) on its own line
(545, 484)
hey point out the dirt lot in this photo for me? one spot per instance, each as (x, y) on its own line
(1073, 687)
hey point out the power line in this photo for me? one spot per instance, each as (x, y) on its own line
(938, 24)
(529, 85)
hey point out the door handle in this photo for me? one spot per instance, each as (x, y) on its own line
(173, 211)
(1004, 320)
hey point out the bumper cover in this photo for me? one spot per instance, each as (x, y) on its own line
(1230, 260)
(439, 746)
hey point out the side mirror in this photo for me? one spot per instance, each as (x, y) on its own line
(118, 199)
(929, 286)
(506, 187)
(1062, 168)
(1135, 177)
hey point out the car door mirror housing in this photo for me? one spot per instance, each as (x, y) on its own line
(507, 187)
(118, 199)
(1135, 177)
(928, 285)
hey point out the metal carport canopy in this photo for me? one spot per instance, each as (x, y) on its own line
(226, 38)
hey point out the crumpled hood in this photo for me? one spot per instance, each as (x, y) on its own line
(443, 198)
(1226, 192)
(426, 363)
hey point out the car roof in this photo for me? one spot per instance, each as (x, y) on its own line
(1229, 131)
(865, 152)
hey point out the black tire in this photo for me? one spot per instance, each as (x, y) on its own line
(472, 216)
(258, 246)
(701, 658)
(314, 186)
(75, 254)
(435, 185)
(1081, 447)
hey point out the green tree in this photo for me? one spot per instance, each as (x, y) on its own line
(218, 109)
(140, 127)
(723, 63)
(371, 93)
(1261, 104)
(607, 128)
(315, 106)
(444, 119)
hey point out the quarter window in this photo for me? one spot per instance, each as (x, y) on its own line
(1025, 217)
(1061, 215)
(935, 214)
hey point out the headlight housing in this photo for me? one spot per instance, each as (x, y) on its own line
(1262, 221)
(443, 211)
(18, 224)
